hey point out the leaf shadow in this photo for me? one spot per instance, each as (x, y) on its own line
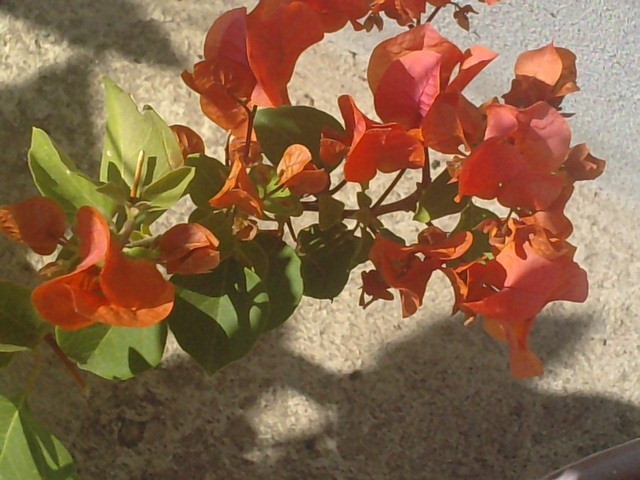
(99, 27)
(441, 405)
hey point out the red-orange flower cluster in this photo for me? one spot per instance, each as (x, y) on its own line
(107, 286)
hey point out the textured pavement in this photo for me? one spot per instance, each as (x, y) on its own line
(341, 393)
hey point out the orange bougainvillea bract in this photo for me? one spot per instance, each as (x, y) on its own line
(106, 287)
(38, 222)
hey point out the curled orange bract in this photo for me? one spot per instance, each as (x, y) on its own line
(106, 287)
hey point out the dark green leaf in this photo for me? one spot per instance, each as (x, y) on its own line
(57, 178)
(365, 243)
(278, 128)
(20, 324)
(470, 218)
(5, 358)
(437, 201)
(220, 224)
(326, 257)
(283, 281)
(210, 175)
(219, 316)
(27, 450)
(330, 211)
(130, 131)
(114, 353)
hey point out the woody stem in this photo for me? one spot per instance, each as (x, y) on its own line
(389, 189)
(426, 170)
(247, 143)
(433, 15)
(65, 361)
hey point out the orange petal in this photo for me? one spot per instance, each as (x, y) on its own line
(408, 88)
(38, 222)
(294, 159)
(190, 142)
(189, 249)
(137, 293)
(277, 34)
(581, 165)
(62, 301)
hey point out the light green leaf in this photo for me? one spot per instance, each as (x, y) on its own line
(279, 128)
(27, 450)
(165, 192)
(277, 200)
(20, 324)
(326, 257)
(219, 316)
(57, 178)
(283, 280)
(128, 132)
(114, 353)
(438, 200)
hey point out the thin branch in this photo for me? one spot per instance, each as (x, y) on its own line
(426, 170)
(338, 187)
(433, 15)
(247, 142)
(389, 189)
(291, 231)
(66, 362)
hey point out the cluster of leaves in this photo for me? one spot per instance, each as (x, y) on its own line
(218, 281)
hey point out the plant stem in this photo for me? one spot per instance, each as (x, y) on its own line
(291, 231)
(426, 170)
(389, 189)
(66, 362)
(338, 187)
(137, 177)
(433, 15)
(247, 142)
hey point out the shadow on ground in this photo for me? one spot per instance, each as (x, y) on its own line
(440, 406)
(64, 97)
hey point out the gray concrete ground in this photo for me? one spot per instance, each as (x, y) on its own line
(339, 392)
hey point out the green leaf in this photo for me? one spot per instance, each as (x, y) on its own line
(470, 218)
(20, 324)
(114, 353)
(283, 281)
(5, 358)
(326, 257)
(278, 128)
(165, 192)
(277, 200)
(210, 175)
(57, 178)
(220, 224)
(27, 450)
(365, 243)
(128, 132)
(219, 316)
(330, 211)
(438, 200)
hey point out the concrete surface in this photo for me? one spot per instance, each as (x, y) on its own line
(338, 392)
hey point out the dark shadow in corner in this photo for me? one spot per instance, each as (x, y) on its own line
(439, 406)
(57, 100)
(99, 27)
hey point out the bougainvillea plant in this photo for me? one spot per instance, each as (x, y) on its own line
(115, 281)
